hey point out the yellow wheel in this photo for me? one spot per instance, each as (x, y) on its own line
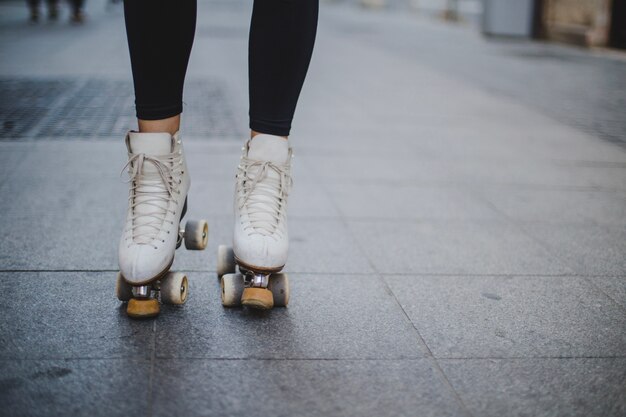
(142, 308)
(259, 298)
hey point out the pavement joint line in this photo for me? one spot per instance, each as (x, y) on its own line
(207, 271)
(423, 358)
(243, 359)
(522, 358)
(460, 185)
(383, 274)
(477, 220)
(152, 365)
(423, 345)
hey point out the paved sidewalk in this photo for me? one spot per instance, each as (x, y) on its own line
(458, 226)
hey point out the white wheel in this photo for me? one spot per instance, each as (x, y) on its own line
(174, 288)
(279, 286)
(225, 261)
(232, 289)
(196, 234)
(123, 289)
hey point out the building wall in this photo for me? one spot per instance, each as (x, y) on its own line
(583, 22)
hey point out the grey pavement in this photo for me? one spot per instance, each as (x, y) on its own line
(458, 226)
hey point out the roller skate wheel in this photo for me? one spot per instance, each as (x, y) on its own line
(232, 289)
(196, 234)
(279, 286)
(174, 288)
(141, 308)
(259, 298)
(123, 289)
(225, 261)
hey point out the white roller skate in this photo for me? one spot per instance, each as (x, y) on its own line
(260, 238)
(157, 201)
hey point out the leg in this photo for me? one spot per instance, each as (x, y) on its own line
(160, 37)
(77, 11)
(33, 7)
(53, 9)
(282, 34)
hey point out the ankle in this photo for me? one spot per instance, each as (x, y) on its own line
(254, 133)
(170, 125)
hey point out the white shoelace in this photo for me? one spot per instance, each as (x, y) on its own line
(152, 192)
(263, 197)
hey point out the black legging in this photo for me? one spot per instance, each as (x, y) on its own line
(282, 34)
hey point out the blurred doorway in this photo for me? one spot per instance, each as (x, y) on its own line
(617, 36)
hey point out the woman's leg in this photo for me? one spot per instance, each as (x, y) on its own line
(160, 37)
(281, 42)
(282, 34)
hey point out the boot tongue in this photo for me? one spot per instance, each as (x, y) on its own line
(151, 193)
(269, 148)
(264, 197)
(151, 144)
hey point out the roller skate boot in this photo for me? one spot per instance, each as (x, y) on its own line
(157, 202)
(261, 239)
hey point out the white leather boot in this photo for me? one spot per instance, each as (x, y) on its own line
(261, 239)
(159, 183)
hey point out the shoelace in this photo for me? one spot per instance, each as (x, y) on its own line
(263, 197)
(164, 186)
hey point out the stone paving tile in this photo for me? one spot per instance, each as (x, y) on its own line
(302, 388)
(75, 388)
(330, 317)
(559, 206)
(65, 241)
(46, 195)
(587, 249)
(540, 387)
(496, 316)
(452, 247)
(63, 315)
(402, 201)
(324, 246)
